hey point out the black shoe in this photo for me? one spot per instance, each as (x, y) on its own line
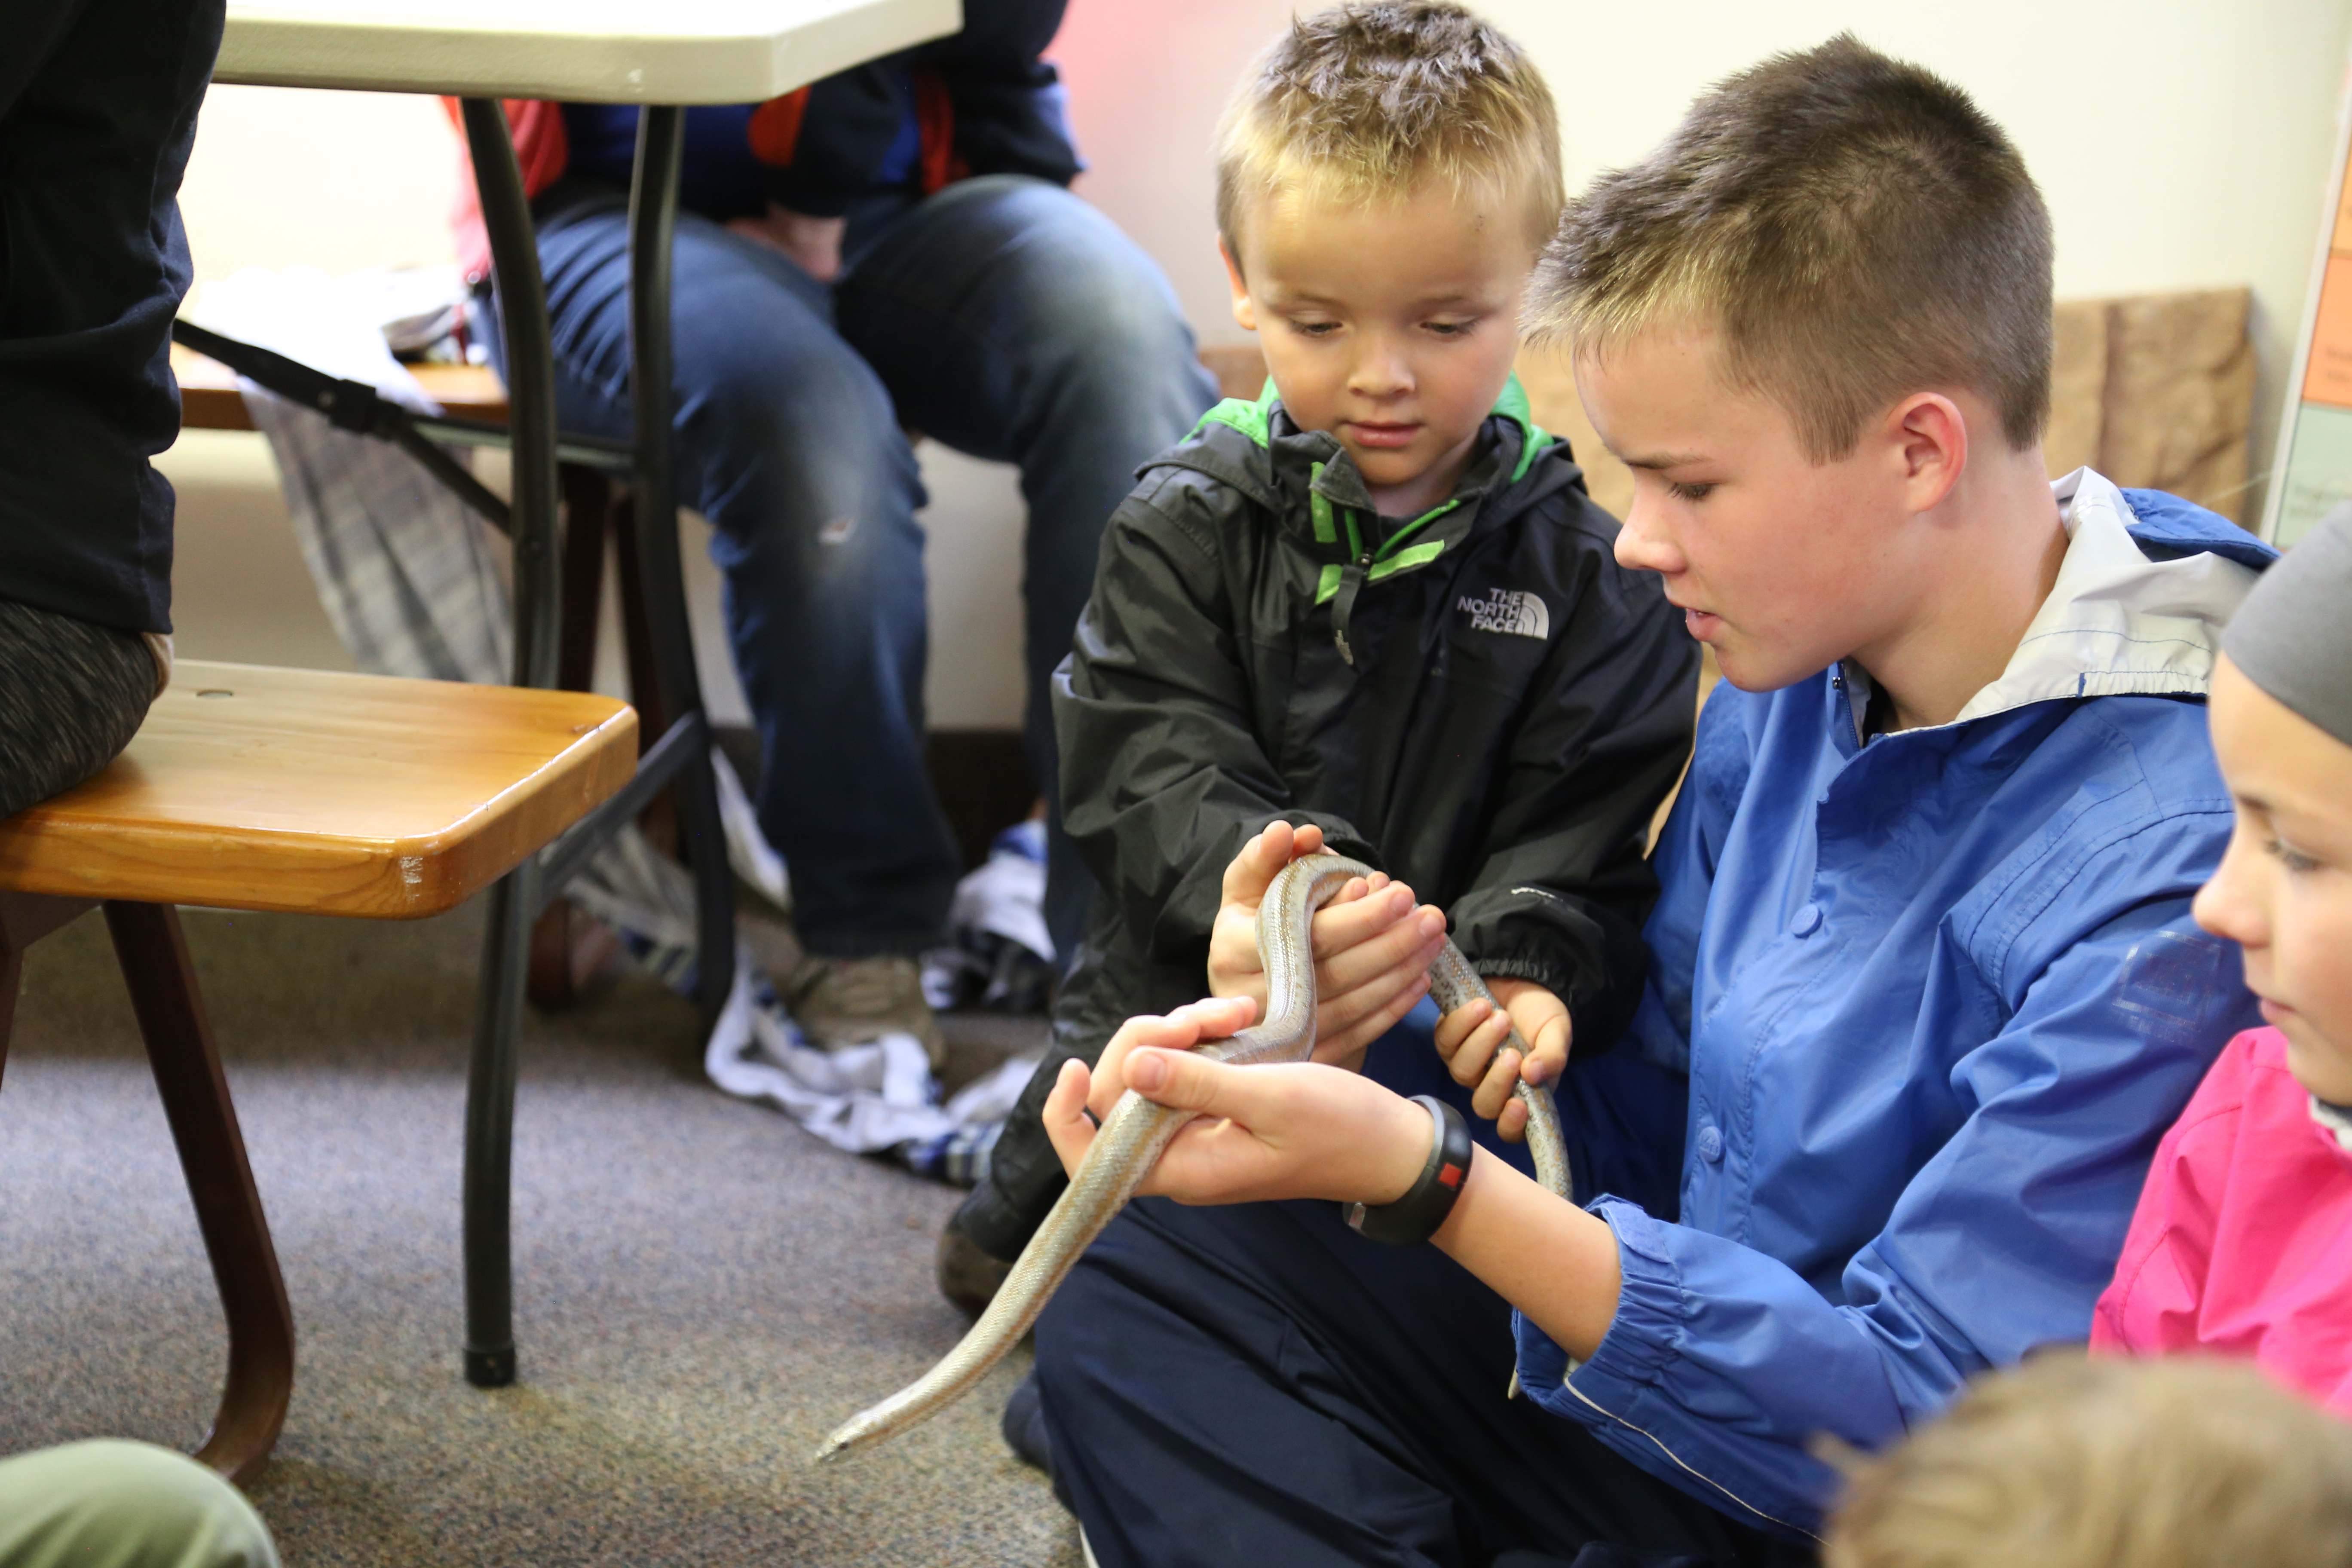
(968, 1277)
(1024, 1426)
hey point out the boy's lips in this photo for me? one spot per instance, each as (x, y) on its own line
(1701, 624)
(1383, 436)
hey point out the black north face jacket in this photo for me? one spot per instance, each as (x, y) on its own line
(1480, 702)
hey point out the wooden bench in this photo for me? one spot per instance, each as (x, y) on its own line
(252, 788)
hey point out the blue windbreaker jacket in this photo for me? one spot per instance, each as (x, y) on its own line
(1936, 997)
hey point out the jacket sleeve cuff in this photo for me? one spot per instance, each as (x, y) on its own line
(1553, 977)
(1627, 1363)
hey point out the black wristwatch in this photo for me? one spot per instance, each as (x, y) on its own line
(1414, 1217)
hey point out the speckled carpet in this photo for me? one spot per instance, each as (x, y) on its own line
(702, 1291)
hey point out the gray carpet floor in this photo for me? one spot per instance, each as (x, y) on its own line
(702, 1291)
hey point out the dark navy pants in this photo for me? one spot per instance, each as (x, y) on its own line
(1258, 1384)
(1002, 316)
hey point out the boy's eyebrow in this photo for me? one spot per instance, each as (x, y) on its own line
(1662, 461)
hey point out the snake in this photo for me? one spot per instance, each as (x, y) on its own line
(1137, 1132)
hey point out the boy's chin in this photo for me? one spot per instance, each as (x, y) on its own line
(1386, 468)
(1751, 667)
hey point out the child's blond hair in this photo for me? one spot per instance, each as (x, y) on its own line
(1369, 100)
(2067, 1463)
(1854, 227)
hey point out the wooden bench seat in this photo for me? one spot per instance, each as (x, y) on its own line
(255, 788)
(252, 788)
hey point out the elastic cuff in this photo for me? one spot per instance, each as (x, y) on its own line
(1551, 976)
(1639, 1341)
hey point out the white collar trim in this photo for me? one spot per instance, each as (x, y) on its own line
(2115, 622)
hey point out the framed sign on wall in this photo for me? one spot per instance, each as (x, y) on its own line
(2313, 473)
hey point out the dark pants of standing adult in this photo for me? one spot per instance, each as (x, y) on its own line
(1258, 1384)
(1002, 316)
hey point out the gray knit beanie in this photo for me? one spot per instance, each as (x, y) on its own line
(2293, 636)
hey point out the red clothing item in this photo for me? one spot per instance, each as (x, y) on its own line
(540, 149)
(2243, 1242)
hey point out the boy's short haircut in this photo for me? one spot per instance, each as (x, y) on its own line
(1368, 100)
(1854, 226)
(2068, 1463)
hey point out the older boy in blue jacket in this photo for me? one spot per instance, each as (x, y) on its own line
(1922, 956)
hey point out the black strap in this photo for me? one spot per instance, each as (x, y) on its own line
(1414, 1217)
(352, 406)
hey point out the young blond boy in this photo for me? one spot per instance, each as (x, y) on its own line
(2065, 1463)
(1375, 604)
(1922, 956)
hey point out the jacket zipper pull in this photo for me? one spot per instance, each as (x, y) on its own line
(1343, 603)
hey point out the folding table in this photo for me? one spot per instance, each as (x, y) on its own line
(663, 57)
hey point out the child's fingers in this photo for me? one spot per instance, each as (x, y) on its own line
(1548, 1058)
(1511, 1126)
(1340, 1006)
(1249, 873)
(1413, 936)
(1338, 927)
(1454, 1027)
(1472, 1058)
(1064, 1114)
(1494, 1090)
(1345, 1048)
(1358, 888)
(1183, 1028)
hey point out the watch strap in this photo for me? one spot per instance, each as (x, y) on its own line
(1414, 1217)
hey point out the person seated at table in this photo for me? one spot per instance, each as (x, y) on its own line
(2242, 1242)
(1922, 965)
(98, 111)
(893, 250)
(1375, 605)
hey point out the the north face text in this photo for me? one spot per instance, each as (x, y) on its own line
(1509, 611)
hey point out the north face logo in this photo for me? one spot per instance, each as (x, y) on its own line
(1509, 611)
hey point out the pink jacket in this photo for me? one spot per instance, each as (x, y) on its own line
(2243, 1242)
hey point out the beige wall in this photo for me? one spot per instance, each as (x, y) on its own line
(2180, 146)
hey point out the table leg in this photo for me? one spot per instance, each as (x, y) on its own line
(653, 219)
(530, 401)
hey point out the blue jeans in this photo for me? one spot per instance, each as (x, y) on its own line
(1003, 317)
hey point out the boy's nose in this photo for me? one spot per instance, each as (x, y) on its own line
(1379, 372)
(1642, 545)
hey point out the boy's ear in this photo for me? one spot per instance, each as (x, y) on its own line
(1243, 311)
(1933, 438)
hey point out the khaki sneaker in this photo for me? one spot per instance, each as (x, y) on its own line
(849, 1001)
